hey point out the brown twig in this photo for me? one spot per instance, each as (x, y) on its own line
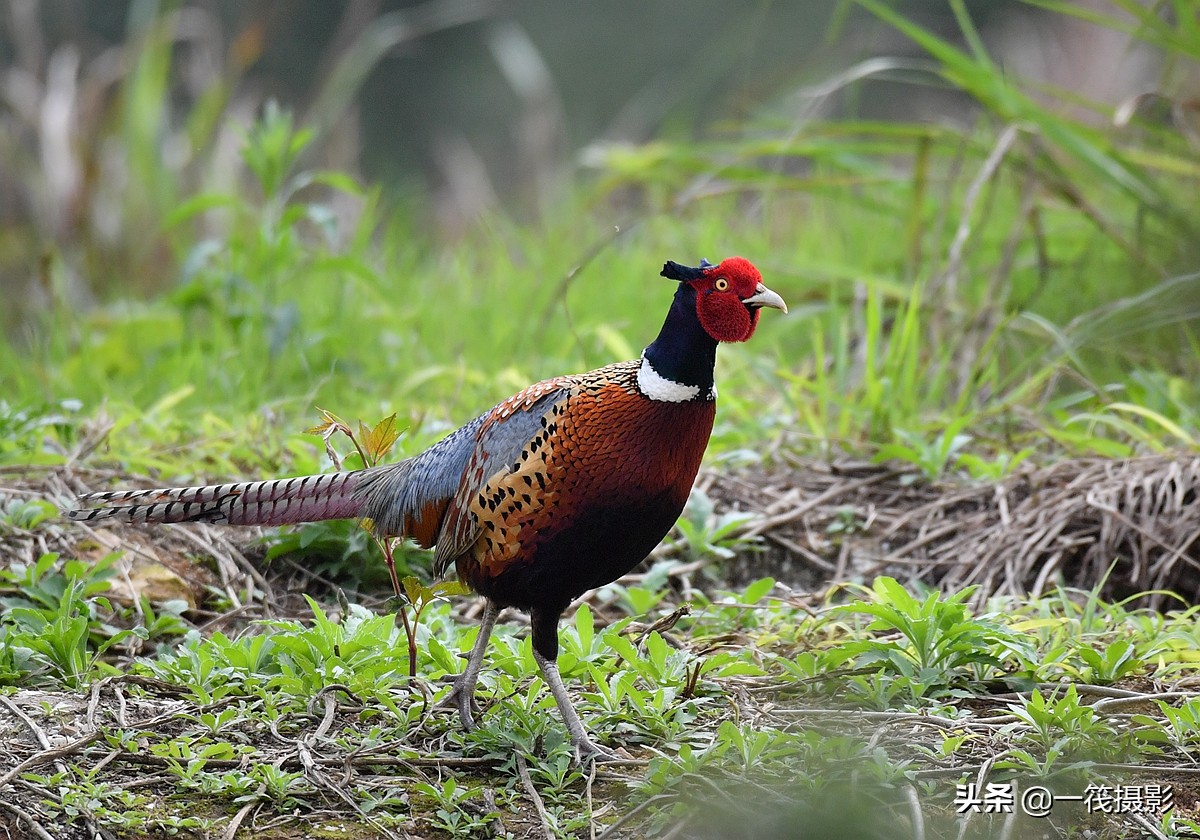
(534, 797)
(27, 818)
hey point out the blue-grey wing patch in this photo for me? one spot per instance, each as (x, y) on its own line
(410, 498)
(506, 431)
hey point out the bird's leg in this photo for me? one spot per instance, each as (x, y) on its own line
(545, 653)
(585, 749)
(462, 695)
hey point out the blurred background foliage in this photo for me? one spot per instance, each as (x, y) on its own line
(113, 111)
(984, 211)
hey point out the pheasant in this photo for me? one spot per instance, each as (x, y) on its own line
(561, 488)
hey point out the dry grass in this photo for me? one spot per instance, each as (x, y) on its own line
(1136, 521)
(1068, 524)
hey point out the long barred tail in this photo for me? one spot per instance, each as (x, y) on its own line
(309, 498)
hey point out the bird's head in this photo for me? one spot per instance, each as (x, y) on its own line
(729, 296)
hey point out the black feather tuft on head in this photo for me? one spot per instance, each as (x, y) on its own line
(684, 273)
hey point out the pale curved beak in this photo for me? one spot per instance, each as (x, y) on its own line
(765, 297)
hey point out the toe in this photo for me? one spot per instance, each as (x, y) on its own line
(586, 752)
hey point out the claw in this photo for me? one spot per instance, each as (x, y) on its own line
(462, 695)
(462, 698)
(587, 751)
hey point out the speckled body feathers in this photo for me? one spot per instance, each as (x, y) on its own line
(600, 481)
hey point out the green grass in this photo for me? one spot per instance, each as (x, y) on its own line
(281, 312)
(963, 302)
(1004, 690)
(1023, 284)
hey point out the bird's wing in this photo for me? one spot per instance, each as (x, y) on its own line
(410, 498)
(503, 436)
(427, 497)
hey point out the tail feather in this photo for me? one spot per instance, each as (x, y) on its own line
(308, 498)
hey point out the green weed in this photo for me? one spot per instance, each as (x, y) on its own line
(1180, 725)
(705, 534)
(55, 621)
(452, 813)
(927, 646)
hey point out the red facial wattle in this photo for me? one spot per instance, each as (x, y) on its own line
(719, 299)
(724, 316)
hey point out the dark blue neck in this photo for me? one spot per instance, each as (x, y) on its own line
(683, 351)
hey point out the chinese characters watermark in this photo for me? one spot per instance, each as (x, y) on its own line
(1038, 801)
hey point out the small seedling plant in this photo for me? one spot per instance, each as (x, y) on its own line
(371, 445)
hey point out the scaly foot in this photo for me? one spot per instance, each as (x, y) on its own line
(587, 751)
(461, 697)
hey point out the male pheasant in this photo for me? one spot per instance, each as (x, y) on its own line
(559, 489)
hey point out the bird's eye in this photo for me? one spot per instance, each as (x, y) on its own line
(722, 284)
